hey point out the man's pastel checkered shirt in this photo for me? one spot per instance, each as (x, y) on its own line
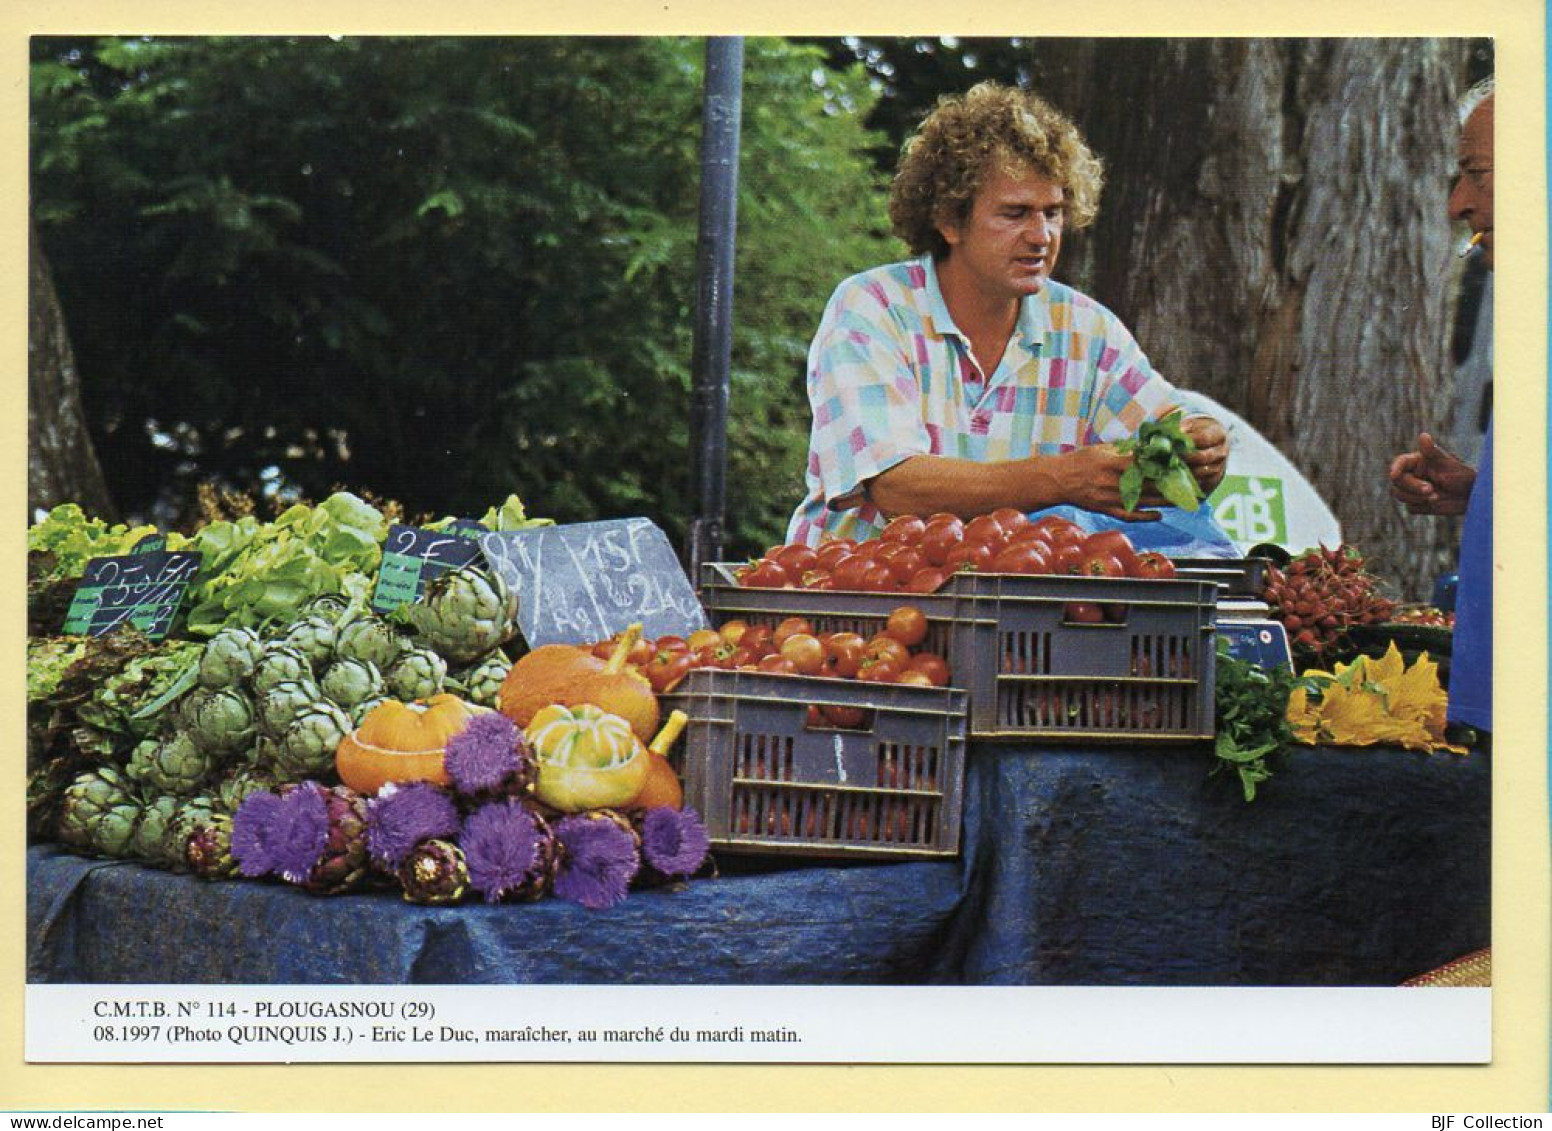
(890, 376)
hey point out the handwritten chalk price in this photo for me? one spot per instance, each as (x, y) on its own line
(587, 581)
(142, 589)
(414, 556)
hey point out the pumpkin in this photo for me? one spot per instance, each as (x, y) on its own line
(587, 758)
(535, 680)
(402, 742)
(617, 689)
(662, 786)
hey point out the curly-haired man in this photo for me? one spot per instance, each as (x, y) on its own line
(967, 379)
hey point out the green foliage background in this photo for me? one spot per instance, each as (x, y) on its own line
(440, 270)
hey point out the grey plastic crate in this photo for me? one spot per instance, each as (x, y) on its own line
(830, 611)
(767, 780)
(1234, 577)
(1033, 674)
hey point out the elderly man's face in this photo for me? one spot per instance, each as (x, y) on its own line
(1471, 200)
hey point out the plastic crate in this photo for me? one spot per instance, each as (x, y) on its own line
(765, 780)
(829, 611)
(1147, 676)
(1234, 577)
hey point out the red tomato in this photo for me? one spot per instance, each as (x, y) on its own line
(766, 574)
(985, 530)
(878, 579)
(1065, 559)
(1115, 543)
(671, 644)
(758, 640)
(927, 580)
(1098, 563)
(918, 679)
(932, 665)
(1030, 533)
(882, 647)
(666, 669)
(805, 652)
(907, 528)
(777, 664)
(791, 627)
(940, 539)
(846, 717)
(908, 625)
(903, 567)
(848, 573)
(843, 654)
(797, 559)
(830, 554)
(702, 638)
(815, 579)
(732, 631)
(1010, 518)
(1021, 557)
(1059, 531)
(971, 555)
(879, 671)
(1153, 564)
(1084, 612)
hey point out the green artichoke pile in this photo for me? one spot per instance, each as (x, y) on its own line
(144, 750)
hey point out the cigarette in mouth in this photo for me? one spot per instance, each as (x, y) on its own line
(1476, 239)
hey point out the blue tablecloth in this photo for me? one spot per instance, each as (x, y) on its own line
(1092, 867)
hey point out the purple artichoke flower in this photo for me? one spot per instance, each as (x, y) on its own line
(488, 757)
(502, 844)
(674, 841)
(400, 817)
(599, 858)
(280, 835)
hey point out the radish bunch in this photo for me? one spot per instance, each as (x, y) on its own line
(1321, 594)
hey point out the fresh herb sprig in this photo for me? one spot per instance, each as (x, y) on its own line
(1252, 707)
(1158, 456)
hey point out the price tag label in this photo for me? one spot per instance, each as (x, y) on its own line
(414, 556)
(142, 589)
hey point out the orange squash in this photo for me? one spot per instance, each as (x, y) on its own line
(536, 679)
(402, 742)
(618, 690)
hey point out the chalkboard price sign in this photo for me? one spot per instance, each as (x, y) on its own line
(588, 581)
(414, 556)
(142, 589)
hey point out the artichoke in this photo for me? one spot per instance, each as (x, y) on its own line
(481, 683)
(281, 663)
(466, 613)
(153, 835)
(332, 607)
(364, 708)
(350, 682)
(112, 832)
(434, 872)
(344, 861)
(230, 657)
(174, 764)
(369, 638)
(419, 673)
(218, 719)
(86, 800)
(314, 637)
(282, 703)
(232, 790)
(192, 815)
(306, 749)
(208, 851)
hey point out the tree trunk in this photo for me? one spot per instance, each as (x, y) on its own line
(61, 463)
(1274, 232)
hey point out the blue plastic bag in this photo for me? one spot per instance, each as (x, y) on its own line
(1177, 533)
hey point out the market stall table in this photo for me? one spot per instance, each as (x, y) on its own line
(1079, 867)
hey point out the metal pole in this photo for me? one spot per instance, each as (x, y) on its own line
(712, 353)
